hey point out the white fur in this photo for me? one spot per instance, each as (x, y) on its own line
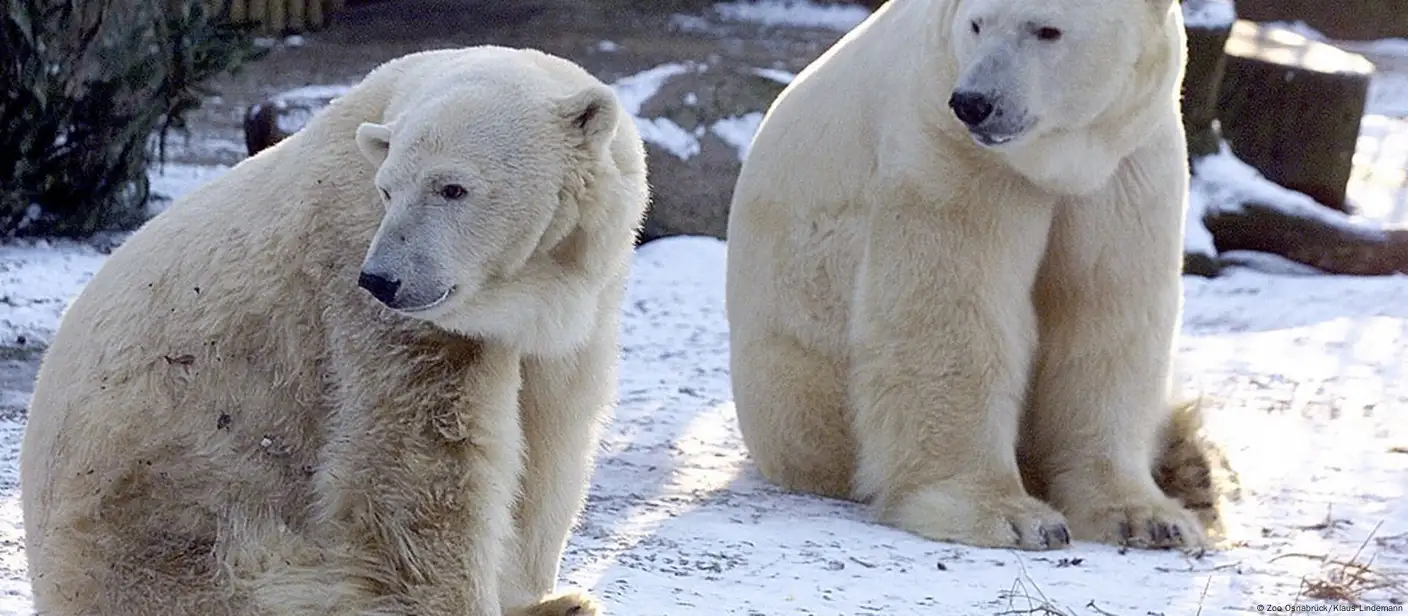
(975, 339)
(227, 425)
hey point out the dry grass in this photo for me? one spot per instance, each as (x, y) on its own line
(1329, 523)
(1025, 598)
(1347, 580)
(1035, 605)
(1337, 580)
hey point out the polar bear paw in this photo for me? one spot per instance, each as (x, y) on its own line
(570, 603)
(1153, 523)
(980, 518)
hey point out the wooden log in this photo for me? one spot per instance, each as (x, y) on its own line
(1331, 242)
(1291, 107)
(278, 17)
(315, 14)
(1202, 79)
(257, 11)
(1199, 264)
(297, 12)
(237, 11)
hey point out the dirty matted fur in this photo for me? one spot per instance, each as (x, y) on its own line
(226, 425)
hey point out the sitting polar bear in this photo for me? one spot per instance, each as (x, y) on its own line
(226, 424)
(953, 279)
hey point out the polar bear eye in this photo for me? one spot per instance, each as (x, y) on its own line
(384, 195)
(453, 192)
(976, 28)
(1048, 34)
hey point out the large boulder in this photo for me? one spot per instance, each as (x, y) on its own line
(697, 125)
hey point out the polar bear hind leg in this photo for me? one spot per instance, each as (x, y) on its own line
(802, 441)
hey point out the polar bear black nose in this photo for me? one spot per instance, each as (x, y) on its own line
(971, 107)
(383, 289)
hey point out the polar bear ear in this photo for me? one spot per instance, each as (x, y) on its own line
(374, 140)
(591, 114)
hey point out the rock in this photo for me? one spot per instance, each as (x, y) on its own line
(271, 121)
(697, 127)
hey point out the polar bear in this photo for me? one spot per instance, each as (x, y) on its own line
(362, 372)
(953, 279)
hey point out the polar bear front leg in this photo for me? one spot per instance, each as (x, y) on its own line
(419, 478)
(563, 402)
(1108, 298)
(942, 337)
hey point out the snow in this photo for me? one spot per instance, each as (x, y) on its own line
(1379, 188)
(1388, 47)
(780, 76)
(314, 92)
(1266, 262)
(170, 181)
(1197, 240)
(670, 136)
(635, 90)
(795, 13)
(292, 41)
(1226, 182)
(1208, 14)
(1385, 46)
(37, 279)
(738, 131)
(1388, 95)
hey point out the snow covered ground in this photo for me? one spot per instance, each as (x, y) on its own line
(1304, 378)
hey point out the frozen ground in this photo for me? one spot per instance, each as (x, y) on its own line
(1303, 377)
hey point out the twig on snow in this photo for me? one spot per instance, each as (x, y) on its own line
(1204, 597)
(1097, 610)
(1039, 605)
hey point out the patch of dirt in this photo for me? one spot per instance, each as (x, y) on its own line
(18, 368)
(610, 45)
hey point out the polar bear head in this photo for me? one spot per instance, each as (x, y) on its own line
(480, 173)
(1029, 68)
